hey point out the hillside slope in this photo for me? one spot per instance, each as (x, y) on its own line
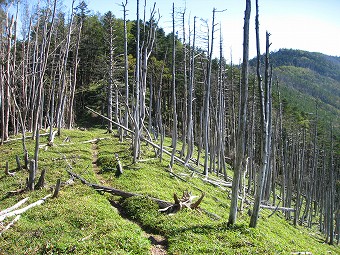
(81, 221)
(306, 78)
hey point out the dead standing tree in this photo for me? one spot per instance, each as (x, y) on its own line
(174, 112)
(143, 53)
(126, 68)
(147, 46)
(136, 139)
(241, 132)
(62, 97)
(265, 97)
(109, 21)
(190, 129)
(206, 121)
(185, 92)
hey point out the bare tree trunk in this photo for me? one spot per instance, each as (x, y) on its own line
(266, 129)
(185, 99)
(6, 100)
(126, 69)
(61, 105)
(207, 99)
(241, 141)
(2, 96)
(190, 129)
(136, 143)
(174, 102)
(110, 85)
(74, 80)
(221, 114)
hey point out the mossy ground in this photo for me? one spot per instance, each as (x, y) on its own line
(82, 221)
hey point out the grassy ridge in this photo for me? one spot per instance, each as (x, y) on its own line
(81, 221)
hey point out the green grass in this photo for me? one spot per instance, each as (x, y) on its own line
(81, 221)
(59, 225)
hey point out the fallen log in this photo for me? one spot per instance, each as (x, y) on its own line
(185, 202)
(284, 209)
(20, 138)
(17, 205)
(161, 203)
(22, 210)
(218, 183)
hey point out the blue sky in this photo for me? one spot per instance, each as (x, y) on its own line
(312, 25)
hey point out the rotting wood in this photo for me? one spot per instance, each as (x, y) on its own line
(17, 159)
(57, 189)
(22, 210)
(218, 183)
(119, 166)
(32, 173)
(7, 172)
(276, 208)
(41, 182)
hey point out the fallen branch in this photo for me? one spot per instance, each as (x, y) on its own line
(218, 183)
(20, 138)
(17, 205)
(20, 211)
(10, 224)
(277, 207)
(84, 142)
(284, 209)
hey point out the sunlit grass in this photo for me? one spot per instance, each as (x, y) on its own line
(82, 221)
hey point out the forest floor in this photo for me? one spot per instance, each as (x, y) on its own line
(84, 221)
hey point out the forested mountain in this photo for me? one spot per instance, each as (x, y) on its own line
(309, 82)
(267, 128)
(312, 76)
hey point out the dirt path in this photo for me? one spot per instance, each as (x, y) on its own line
(158, 243)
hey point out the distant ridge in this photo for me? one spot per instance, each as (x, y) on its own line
(307, 79)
